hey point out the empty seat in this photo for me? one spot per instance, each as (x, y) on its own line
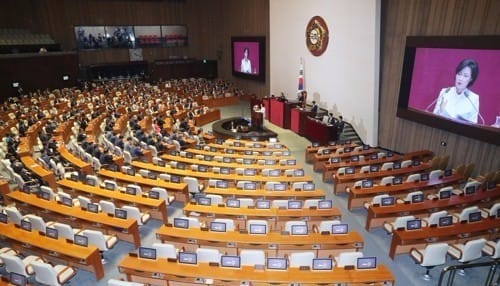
(413, 178)
(102, 241)
(387, 166)
(208, 255)
(246, 202)
(289, 224)
(376, 200)
(15, 264)
(279, 203)
(326, 225)
(229, 223)
(107, 206)
(37, 223)
(298, 259)
(467, 252)
(47, 274)
(348, 258)
(65, 230)
(165, 250)
(134, 213)
(399, 223)
(432, 255)
(215, 199)
(252, 257)
(194, 187)
(492, 248)
(163, 194)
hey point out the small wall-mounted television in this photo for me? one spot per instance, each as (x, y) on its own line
(248, 56)
(448, 82)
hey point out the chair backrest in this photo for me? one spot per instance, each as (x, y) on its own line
(252, 257)
(208, 255)
(436, 174)
(116, 282)
(95, 178)
(96, 238)
(378, 199)
(127, 157)
(84, 201)
(411, 194)
(413, 178)
(165, 250)
(311, 203)
(298, 185)
(326, 225)
(269, 186)
(464, 214)
(472, 250)
(494, 209)
(13, 215)
(365, 169)
(192, 183)
(476, 184)
(13, 263)
(387, 166)
(111, 183)
(246, 202)
(279, 203)
(133, 213)
(435, 254)
(64, 230)
(406, 163)
(290, 223)
(215, 199)
(49, 191)
(241, 184)
(45, 273)
(435, 216)
(386, 180)
(137, 188)
(229, 223)
(107, 206)
(400, 222)
(348, 258)
(37, 223)
(163, 194)
(193, 222)
(298, 259)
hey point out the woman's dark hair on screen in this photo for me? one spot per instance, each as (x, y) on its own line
(474, 69)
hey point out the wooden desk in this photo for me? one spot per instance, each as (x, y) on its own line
(46, 175)
(84, 167)
(235, 155)
(276, 217)
(275, 244)
(331, 168)
(359, 196)
(146, 271)
(178, 189)
(210, 116)
(157, 208)
(317, 131)
(319, 160)
(378, 214)
(342, 181)
(248, 145)
(402, 240)
(210, 175)
(124, 229)
(55, 250)
(262, 193)
(310, 150)
(221, 101)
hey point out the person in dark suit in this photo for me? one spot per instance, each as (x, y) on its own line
(331, 120)
(314, 107)
(340, 125)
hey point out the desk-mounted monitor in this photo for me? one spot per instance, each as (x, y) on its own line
(44, 195)
(335, 160)
(224, 170)
(347, 149)
(204, 201)
(326, 151)
(147, 253)
(267, 153)
(131, 171)
(231, 261)
(396, 165)
(154, 195)
(217, 226)
(3, 218)
(424, 177)
(221, 184)
(354, 158)
(121, 213)
(131, 190)
(294, 205)
(249, 172)
(445, 194)
(350, 170)
(274, 173)
(299, 229)
(208, 157)
(257, 228)
(237, 144)
(341, 228)
(291, 162)
(262, 204)
(188, 258)
(298, 173)
(387, 201)
(198, 147)
(281, 187)
(202, 168)
(270, 162)
(189, 155)
(230, 151)
(247, 161)
(90, 182)
(181, 222)
(227, 159)
(366, 263)
(161, 163)
(276, 263)
(414, 224)
(417, 198)
(308, 187)
(67, 201)
(374, 168)
(248, 152)
(181, 166)
(175, 179)
(81, 240)
(257, 145)
(322, 264)
(250, 186)
(415, 162)
(213, 149)
(17, 279)
(445, 221)
(51, 232)
(315, 144)
(470, 190)
(448, 172)
(287, 153)
(219, 141)
(232, 203)
(174, 153)
(325, 204)
(397, 180)
(374, 156)
(152, 175)
(475, 216)
(367, 184)
(73, 177)
(490, 185)
(93, 208)
(109, 186)
(332, 143)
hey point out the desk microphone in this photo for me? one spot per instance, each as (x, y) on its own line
(434, 101)
(466, 93)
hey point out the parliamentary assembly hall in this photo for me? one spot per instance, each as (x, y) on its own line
(249, 142)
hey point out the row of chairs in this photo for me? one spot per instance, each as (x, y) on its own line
(250, 202)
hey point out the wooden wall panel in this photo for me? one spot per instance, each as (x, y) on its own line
(421, 18)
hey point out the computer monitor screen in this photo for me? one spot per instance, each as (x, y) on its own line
(322, 264)
(308, 187)
(470, 190)
(397, 181)
(224, 171)
(51, 232)
(119, 213)
(249, 172)
(417, 198)
(445, 220)
(475, 216)
(67, 201)
(396, 165)
(349, 170)
(262, 204)
(299, 229)
(208, 157)
(291, 162)
(109, 186)
(152, 175)
(415, 162)
(131, 190)
(81, 240)
(221, 184)
(294, 204)
(387, 201)
(218, 226)
(257, 145)
(332, 143)
(354, 158)
(219, 141)
(424, 177)
(298, 173)
(335, 160)
(188, 258)
(189, 155)
(181, 222)
(174, 153)
(161, 163)
(213, 149)
(230, 151)
(198, 147)
(286, 153)
(280, 187)
(130, 171)
(3, 218)
(257, 229)
(93, 208)
(232, 203)
(181, 166)
(227, 160)
(90, 182)
(325, 204)
(448, 172)
(202, 168)
(44, 195)
(74, 177)
(237, 144)
(374, 156)
(366, 263)
(230, 261)
(326, 151)
(347, 149)
(276, 263)
(490, 185)
(204, 201)
(374, 168)
(341, 228)
(269, 162)
(367, 183)
(17, 279)
(147, 253)
(267, 153)
(247, 161)
(175, 179)
(250, 186)
(274, 173)
(154, 195)
(446, 194)
(413, 224)
(248, 152)
(389, 154)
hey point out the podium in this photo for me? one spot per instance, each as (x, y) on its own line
(257, 120)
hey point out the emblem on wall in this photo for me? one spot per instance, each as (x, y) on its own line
(317, 36)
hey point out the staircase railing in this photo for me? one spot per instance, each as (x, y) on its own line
(451, 271)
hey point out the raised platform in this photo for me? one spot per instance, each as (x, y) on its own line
(240, 128)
